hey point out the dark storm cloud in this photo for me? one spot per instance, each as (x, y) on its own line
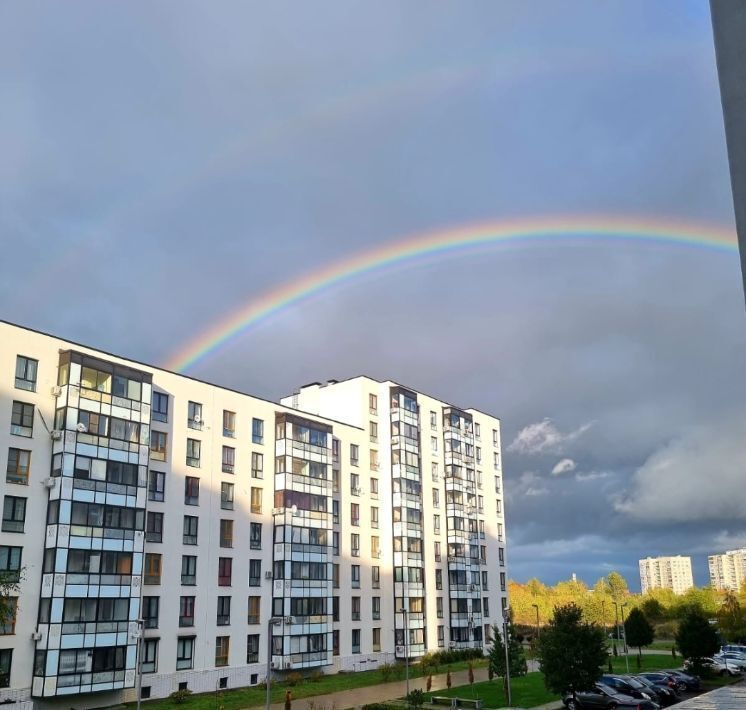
(163, 163)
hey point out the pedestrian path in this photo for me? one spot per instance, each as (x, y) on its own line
(385, 692)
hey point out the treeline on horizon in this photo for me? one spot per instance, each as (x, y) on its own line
(662, 608)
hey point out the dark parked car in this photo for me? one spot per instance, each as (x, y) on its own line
(629, 686)
(659, 677)
(666, 695)
(606, 698)
(691, 681)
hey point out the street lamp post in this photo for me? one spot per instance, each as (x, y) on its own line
(626, 652)
(506, 616)
(536, 606)
(616, 623)
(272, 622)
(406, 648)
(603, 615)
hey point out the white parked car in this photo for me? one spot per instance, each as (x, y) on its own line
(736, 660)
(718, 667)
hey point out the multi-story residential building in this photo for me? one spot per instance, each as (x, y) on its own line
(214, 532)
(728, 571)
(666, 573)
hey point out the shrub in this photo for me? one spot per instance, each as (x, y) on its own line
(387, 671)
(316, 676)
(180, 696)
(416, 698)
(294, 678)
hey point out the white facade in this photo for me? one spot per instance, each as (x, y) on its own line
(136, 493)
(728, 571)
(666, 573)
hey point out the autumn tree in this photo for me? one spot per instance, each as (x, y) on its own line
(732, 619)
(696, 638)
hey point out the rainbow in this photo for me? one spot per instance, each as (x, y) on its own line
(441, 244)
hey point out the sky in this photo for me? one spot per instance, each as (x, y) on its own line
(164, 163)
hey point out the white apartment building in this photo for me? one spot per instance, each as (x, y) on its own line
(728, 571)
(666, 573)
(216, 532)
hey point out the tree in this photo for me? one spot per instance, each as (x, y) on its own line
(731, 618)
(518, 665)
(572, 653)
(638, 630)
(696, 638)
(448, 679)
(617, 586)
(653, 610)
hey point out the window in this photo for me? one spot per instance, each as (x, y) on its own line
(481, 529)
(436, 498)
(10, 563)
(186, 611)
(225, 571)
(156, 486)
(154, 527)
(376, 607)
(150, 656)
(257, 431)
(375, 577)
(485, 586)
(433, 420)
(439, 579)
(373, 403)
(354, 454)
(356, 640)
(483, 553)
(502, 581)
(224, 611)
(434, 443)
(374, 517)
(496, 460)
(486, 606)
(500, 532)
(255, 573)
(335, 512)
(437, 552)
(229, 424)
(256, 500)
(184, 653)
(257, 465)
(191, 490)
(194, 416)
(252, 648)
(229, 459)
(255, 604)
(436, 524)
(22, 419)
(441, 636)
(356, 608)
(373, 432)
(19, 464)
(14, 514)
(158, 445)
(189, 570)
(355, 544)
(150, 607)
(354, 484)
(495, 438)
(374, 460)
(434, 471)
(355, 576)
(354, 514)
(159, 411)
(501, 556)
(6, 660)
(335, 543)
(193, 450)
(152, 568)
(191, 528)
(26, 373)
(374, 488)
(226, 533)
(255, 538)
(439, 607)
(479, 455)
(226, 496)
(8, 621)
(335, 576)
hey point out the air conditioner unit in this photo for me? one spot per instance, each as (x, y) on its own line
(56, 435)
(451, 644)
(56, 391)
(278, 511)
(288, 664)
(274, 665)
(268, 575)
(49, 482)
(451, 560)
(473, 587)
(36, 635)
(399, 650)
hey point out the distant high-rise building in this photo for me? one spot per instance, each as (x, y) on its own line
(728, 571)
(666, 573)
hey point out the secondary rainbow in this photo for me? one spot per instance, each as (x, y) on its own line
(441, 244)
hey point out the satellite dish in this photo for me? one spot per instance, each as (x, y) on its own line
(197, 419)
(82, 428)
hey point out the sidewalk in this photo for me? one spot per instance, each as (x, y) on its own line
(385, 692)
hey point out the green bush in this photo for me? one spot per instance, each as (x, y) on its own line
(416, 698)
(316, 676)
(293, 678)
(454, 655)
(180, 696)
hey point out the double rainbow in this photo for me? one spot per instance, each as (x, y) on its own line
(441, 244)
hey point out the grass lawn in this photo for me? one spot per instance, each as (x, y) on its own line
(649, 662)
(661, 645)
(255, 696)
(526, 692)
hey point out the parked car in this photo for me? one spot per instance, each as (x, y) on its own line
(666, 695)
(731, 659)
(733, 648)
(690, 681)
(629, 686)
(663, 678)
(604, 697)
(716, 667)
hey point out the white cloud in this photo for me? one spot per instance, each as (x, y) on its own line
(592, 476)
(564, 466)
(699, 476)
(544, 437)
